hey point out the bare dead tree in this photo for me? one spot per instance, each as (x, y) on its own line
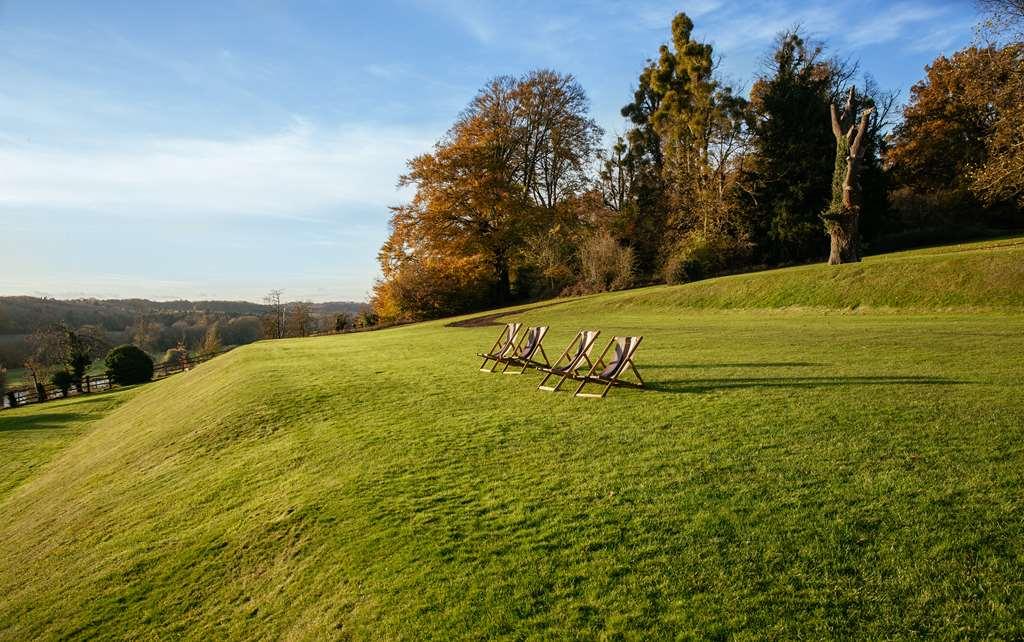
(842, 218)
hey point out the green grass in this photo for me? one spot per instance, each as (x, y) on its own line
(795, 472)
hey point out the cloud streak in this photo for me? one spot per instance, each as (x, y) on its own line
(299, 172)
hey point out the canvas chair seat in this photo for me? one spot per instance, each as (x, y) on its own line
(584, 343)
(504, 347)
(612, 371)
(527, 355)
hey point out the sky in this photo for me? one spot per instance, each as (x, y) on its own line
(217, 150)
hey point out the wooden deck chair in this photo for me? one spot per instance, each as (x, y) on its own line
(584, 343)
(610, 373)
(504, 346)
(526, 354)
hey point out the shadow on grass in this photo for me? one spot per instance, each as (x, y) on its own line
(708, 385)
(767, 364)
(38, 421)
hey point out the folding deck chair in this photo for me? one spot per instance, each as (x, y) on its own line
(584, 342)
(625, 348)
(526, 354)
(503, 347)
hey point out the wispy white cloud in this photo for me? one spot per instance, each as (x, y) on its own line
(896, 21)
(299, 172)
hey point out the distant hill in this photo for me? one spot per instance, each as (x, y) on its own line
(25, 314)
(238, 321)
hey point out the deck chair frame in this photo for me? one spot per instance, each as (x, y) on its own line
(528, 361)
(574, 364)
(503, 346)
(615, 379)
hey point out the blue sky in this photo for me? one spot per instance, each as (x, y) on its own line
(221, 149)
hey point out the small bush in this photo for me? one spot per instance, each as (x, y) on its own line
(605, 264)
(697, 257)
(63, 380)
(127, 365)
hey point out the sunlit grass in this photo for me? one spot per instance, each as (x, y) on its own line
(789, 473)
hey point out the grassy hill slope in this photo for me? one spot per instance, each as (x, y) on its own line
(796, 473)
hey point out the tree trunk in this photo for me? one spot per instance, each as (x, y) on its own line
(845, 233)
(842, 220)
(504, 284)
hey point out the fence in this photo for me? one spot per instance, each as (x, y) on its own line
(97, 383)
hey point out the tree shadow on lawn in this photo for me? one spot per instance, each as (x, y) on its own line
(768, 364)
(40, 421)
(708, 385)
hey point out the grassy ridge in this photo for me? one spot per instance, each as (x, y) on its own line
(798, 474)
(985, 275)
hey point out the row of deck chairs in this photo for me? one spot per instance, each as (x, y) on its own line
(520, 351)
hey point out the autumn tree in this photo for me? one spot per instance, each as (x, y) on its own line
(962, 128)
(212, 339)
(504, 170)
(1000, 178)
(1003, 18)
(299, 321)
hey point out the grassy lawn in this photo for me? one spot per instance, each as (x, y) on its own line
(801, 471)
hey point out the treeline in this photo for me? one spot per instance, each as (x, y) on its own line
(519, 201)
(158, 327)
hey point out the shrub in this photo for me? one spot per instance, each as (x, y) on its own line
(698, 257)
(605, 265)
(127, 365)
(63, 380)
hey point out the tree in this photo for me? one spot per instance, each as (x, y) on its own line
(1003, 17)
(300, 321)
(128, 365)
(46, 355)
(642, 214)
(505, 169)
(786, 182)
(962, 127)
(367, 318)
(342, 322)
(211, 341)
(1000, 179)
(700, 124)
(273, 321)
(80, 348)
(63, 380)
(3, 383)
(146, 334)
(842, 216)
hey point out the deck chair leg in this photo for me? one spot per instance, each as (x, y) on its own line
(579, 388)
(636, 373)
(544, 354)
(560, 382)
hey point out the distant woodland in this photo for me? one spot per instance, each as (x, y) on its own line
(158, 326)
